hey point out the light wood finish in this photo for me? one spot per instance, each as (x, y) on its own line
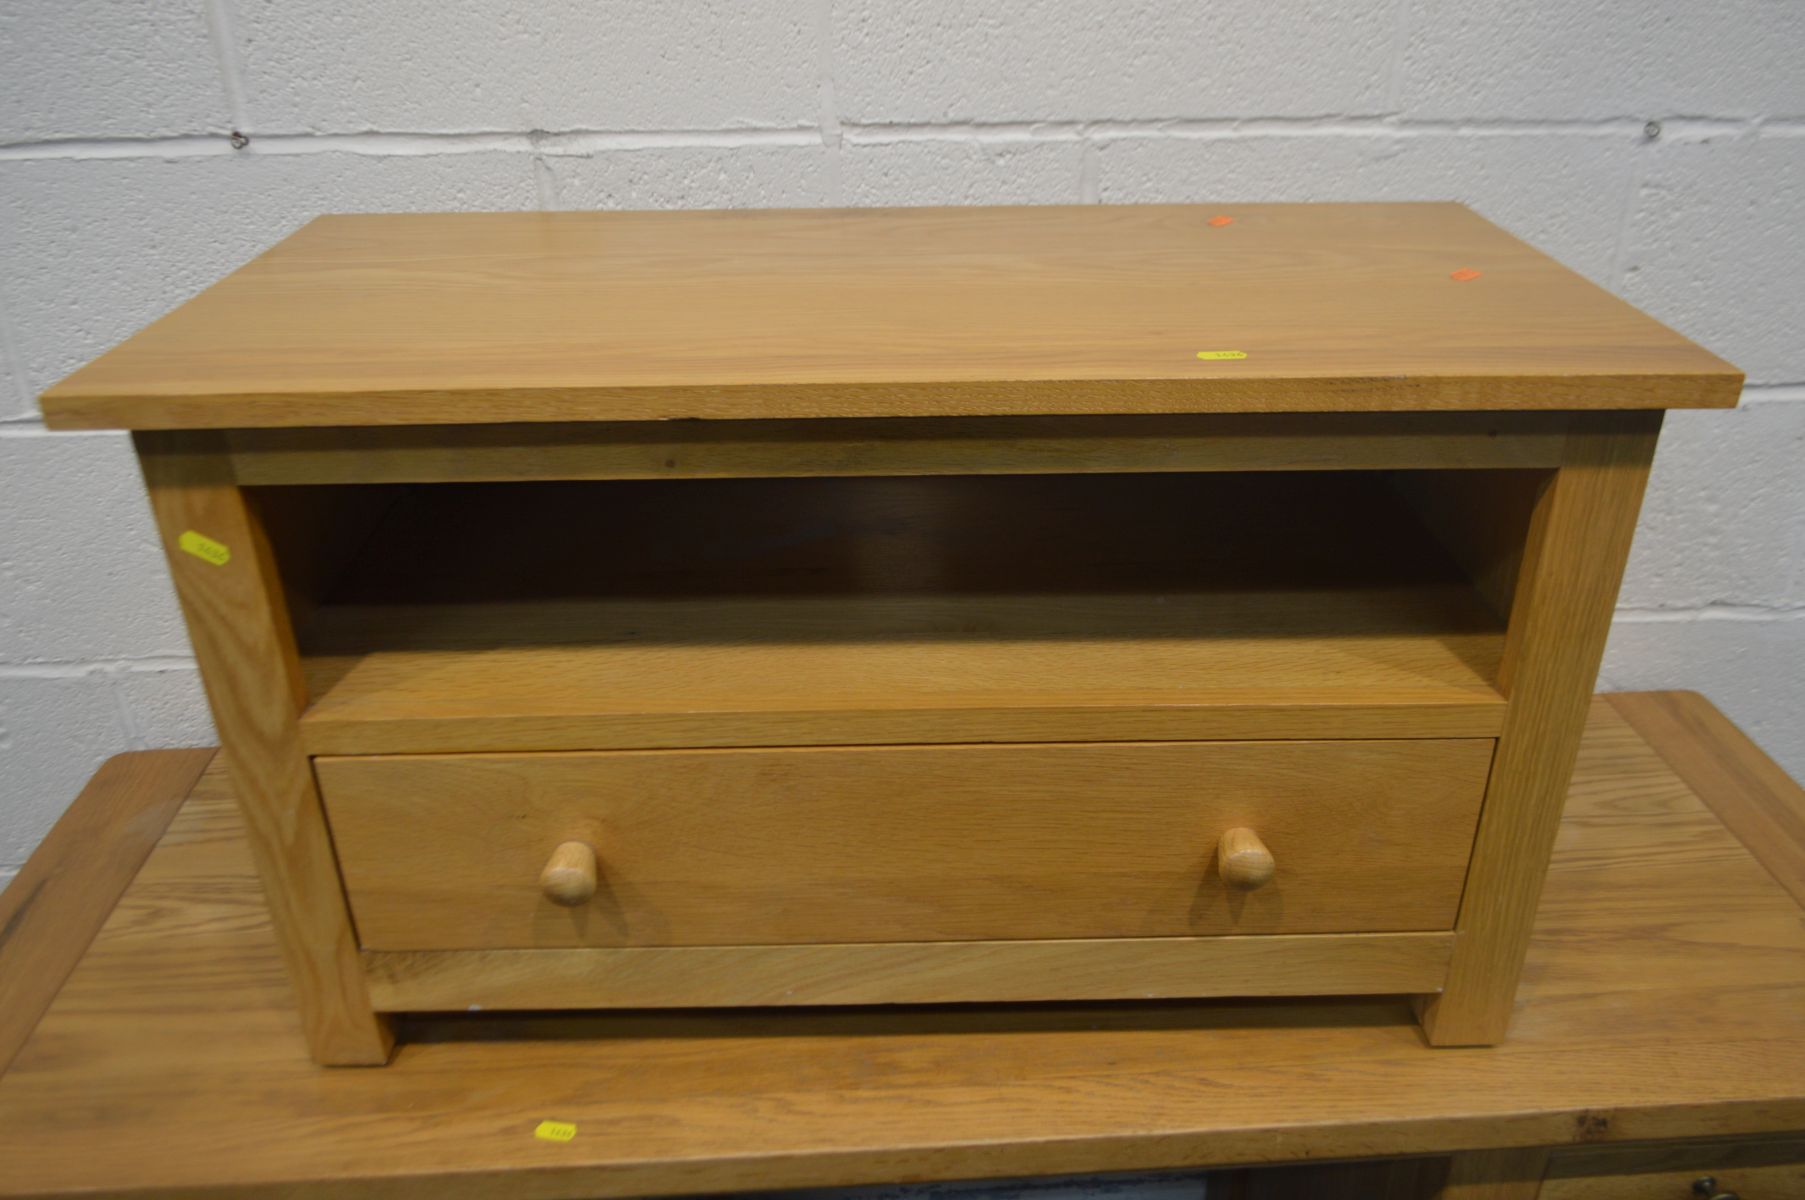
(784, 671)
(477, 318)
(1508, 1173)
(908, 972)
(1573, 561)
(897, 446)
(1664, 998)
(238, 624)
(52, 908)
(1765, 1169)
(905, 844)
(315, 535)
(1758, 801)
(1512, 1173)
(957, 586)
(1482, 520)
(569, 875)
(857, 611)
(1244, 861)
(1778, 1181)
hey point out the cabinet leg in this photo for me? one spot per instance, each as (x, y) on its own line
(238, 620)
(1573, 559)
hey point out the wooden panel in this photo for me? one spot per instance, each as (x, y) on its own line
(896, 446)
(477, 318)
(1482, 519)
(1664, 998)
(1511, 1173)
(782, 671)
(1753, 797)
(750, 847)
(315, 535)
(1578, 542)
(1754, 1170)
(1748, 1183)
(907, 972)
(1390, 1179)
(233, 602)
(60, 897)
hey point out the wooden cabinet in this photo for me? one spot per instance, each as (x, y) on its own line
(880, 606)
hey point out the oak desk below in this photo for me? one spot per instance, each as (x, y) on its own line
(1664, 1000)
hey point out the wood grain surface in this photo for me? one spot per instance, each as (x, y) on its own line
(823, 671)
(1506, 1173)
(1759, 802)
(62, 895)
(909, 972)
(1664, 997)
(1578, 542)
(903, 844)
(1753, 1169)
(470, 318)
(898, 446)
(237, 618)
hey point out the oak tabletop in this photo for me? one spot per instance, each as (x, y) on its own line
(1664, 998)
(468, 318)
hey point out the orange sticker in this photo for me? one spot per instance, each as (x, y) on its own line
(1464, 274)
(1219, 222)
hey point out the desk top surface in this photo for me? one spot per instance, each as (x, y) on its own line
(488, 317)
(1664, 998)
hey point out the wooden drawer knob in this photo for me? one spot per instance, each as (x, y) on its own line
(1243, 859)
(569, 875)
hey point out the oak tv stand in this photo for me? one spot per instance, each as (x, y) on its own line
(888, 606)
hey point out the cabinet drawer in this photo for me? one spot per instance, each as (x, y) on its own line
(912, 843)
(1755, 1169)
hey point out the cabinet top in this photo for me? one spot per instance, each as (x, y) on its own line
(452, 318)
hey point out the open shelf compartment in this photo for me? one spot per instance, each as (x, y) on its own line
(592, 615)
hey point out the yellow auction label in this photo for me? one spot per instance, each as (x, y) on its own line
(205, 548)
(555, 1131)
(1216, 355)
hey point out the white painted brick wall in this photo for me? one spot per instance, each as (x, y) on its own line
(120, 196)
(479, 65)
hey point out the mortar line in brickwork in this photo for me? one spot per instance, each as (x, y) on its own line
(1711, 612)
(151, 665)
(222, 30)
(585, 141)
(825, 94)
(1090, 174)
(1773, 393)
(32, 425)
(545, 184)
(1364, 125)
(15, 366)
(1634, 175)
(565, 142)
(122, 711)
(1394, 67)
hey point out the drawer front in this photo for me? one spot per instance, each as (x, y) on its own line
(1692, 1183)
(913, 843)
(1756, 1169)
